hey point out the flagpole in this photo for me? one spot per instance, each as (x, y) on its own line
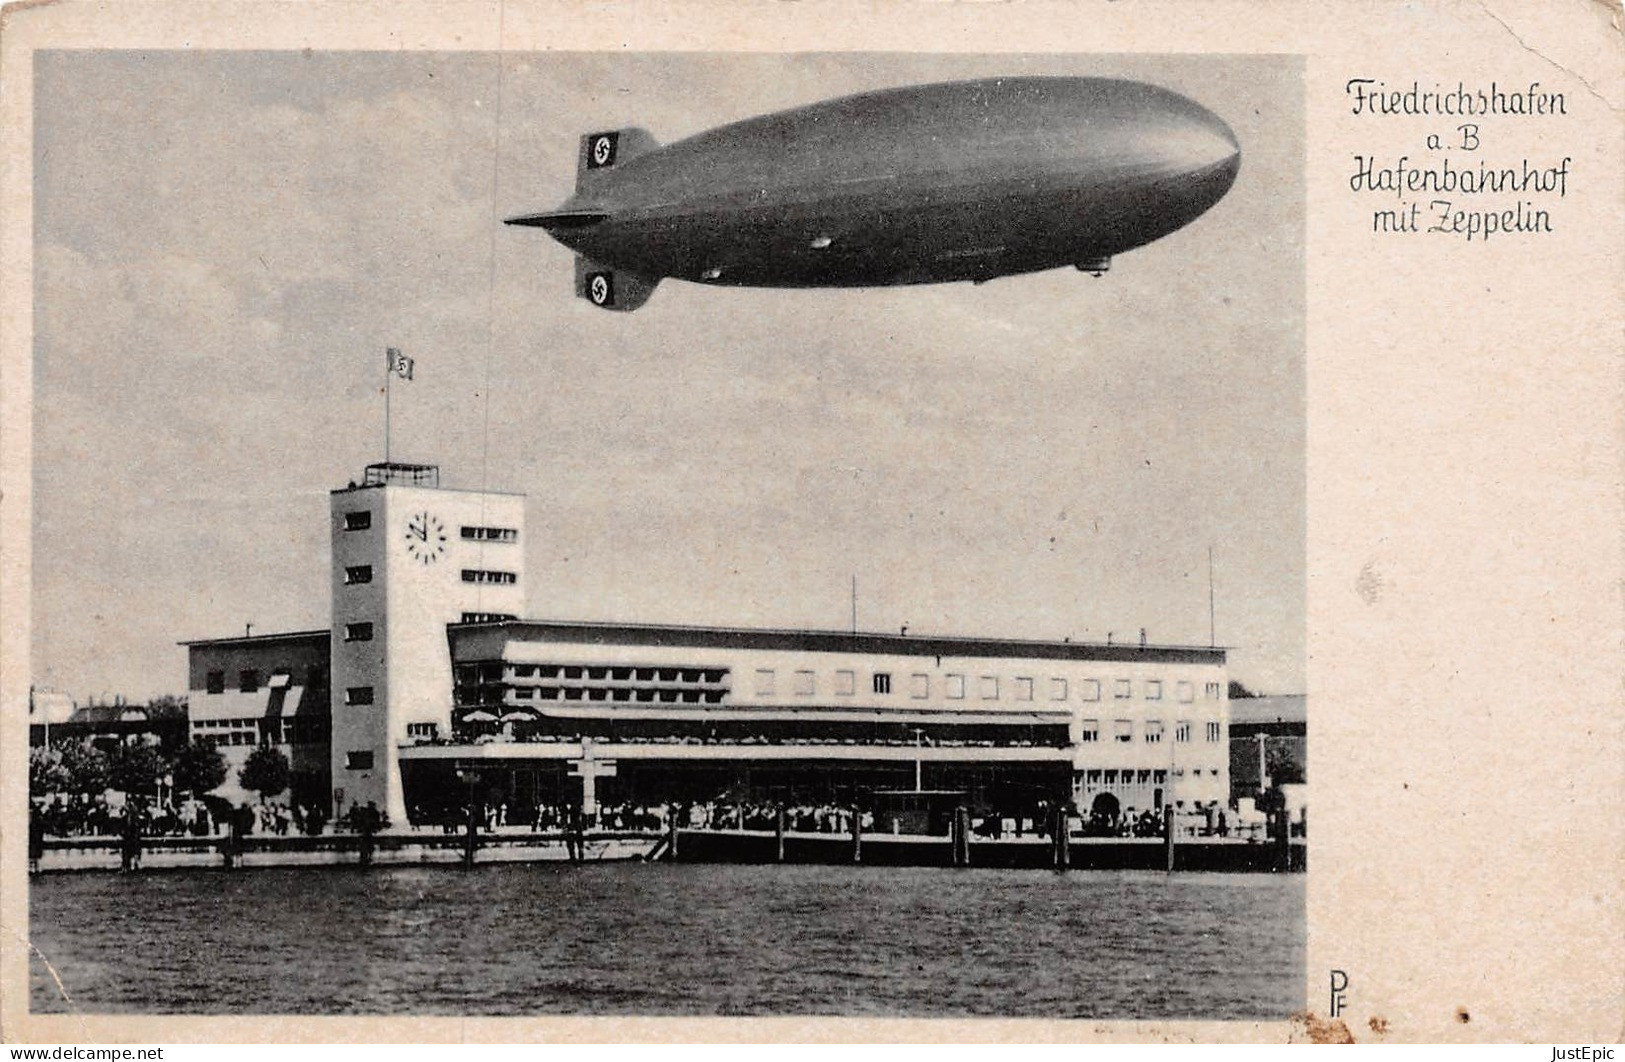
(389, 372)
(1212, 639)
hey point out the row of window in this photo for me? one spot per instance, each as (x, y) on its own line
(1123, 731)
(804, 683)
(249, 680)
(619, 694)
(488, 617)
(490, 534)
(358, 574)
(1140, 776)
(362, 520)
(254, 731)
(496, 672)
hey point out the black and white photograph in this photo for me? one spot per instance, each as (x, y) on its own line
(668, 533)
(539, 526)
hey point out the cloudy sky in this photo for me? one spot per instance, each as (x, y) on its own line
(225, 243)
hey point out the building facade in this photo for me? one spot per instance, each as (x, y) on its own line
(435, 687)
(268, 689)
(821, 715)
(409, 557)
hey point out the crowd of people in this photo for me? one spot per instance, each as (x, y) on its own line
(78, 816)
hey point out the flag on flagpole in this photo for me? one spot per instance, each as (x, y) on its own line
(399, 364)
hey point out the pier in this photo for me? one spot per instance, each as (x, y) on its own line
(960, 848)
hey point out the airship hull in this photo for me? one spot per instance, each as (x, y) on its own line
(936, 183)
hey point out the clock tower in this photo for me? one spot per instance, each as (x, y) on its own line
(409, 557)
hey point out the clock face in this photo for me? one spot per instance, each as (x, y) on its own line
(425, 538)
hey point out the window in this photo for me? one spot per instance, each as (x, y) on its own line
(882, 682)
(490, 534)
(422, 730)
(358, 761)
(214, 682)
(487, 617)
(1089, 730)
(1182, 731)
(1213, 690)
(990, 687)
(480, 575)
(1153, 689)
(1024, 689)
(1185, 692)
(360, 573)
(764, 681)
(357, 521)
(1213, 731)
(956, 686)
(1090, 689)
(248, 681)
(1123, 730)
(1122, 690)
(1153, 731)
(919, 686)
(846, 683)
(358, 695)
(804, 683)
(1057, 689)
(358, 632)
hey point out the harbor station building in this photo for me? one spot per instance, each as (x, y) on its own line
(428, 678)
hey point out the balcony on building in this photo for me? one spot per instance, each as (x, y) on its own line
(401, 474)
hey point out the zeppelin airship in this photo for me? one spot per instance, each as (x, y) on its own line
(961, 181)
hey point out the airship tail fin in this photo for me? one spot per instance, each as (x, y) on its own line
(608, 149)
(611, 289)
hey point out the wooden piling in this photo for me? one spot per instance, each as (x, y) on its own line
(130, 849)
(961, 837)
(576, 843)
(1063, 839)
(471, 835)
(1283, 841)
(778, 832)
(1168, 835)
(671, 838)
(857, 835)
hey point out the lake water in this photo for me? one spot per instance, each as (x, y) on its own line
(635, 938)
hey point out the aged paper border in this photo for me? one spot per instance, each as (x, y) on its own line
(1464, 435)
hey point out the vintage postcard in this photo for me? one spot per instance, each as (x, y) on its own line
(811, 522)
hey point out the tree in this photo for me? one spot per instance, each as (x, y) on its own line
(198, 768)
(87, 767)
(266, 772)
(135, 768)
(1238, 692)
(46, 774)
